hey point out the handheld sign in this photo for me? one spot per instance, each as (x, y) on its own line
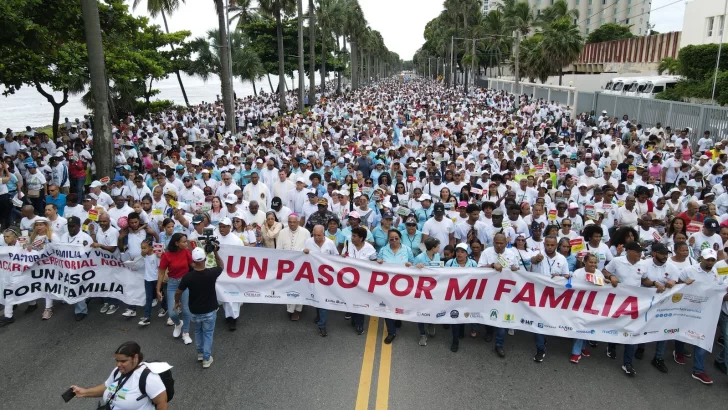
(93, 215)
(552, 215)
(158, 248)
(694, 227)
(577, 245)
(590, 212)
(476, 191)
(595, 279)
(403, 211)
(173, 203)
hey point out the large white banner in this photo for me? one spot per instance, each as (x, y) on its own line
(70, 273)
(519, 300)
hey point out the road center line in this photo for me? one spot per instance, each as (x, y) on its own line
(385, 365)
(367, 365)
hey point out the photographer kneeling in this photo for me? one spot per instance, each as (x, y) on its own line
(200, 281)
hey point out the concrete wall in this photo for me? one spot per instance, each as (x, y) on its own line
(696, 22)
(635, 54)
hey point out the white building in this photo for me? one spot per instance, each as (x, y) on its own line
(703, 22)
(489, 5)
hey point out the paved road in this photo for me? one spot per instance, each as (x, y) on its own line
(272, 363)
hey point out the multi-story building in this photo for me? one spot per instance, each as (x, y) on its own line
(703, 22)
(595, 13)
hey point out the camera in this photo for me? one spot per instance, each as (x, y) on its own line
(210, 241)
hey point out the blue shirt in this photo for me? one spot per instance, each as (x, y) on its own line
(454, 263)
(337, 237)
(380, 237)
(59, 202)
(425, 260)
(412, 242)
(403, 255)
(346, 232)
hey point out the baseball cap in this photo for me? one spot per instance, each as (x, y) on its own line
(225, 221)
(354, 214)
(231, 199)
(588, 155)
(497, 212)
(198, 255)
(709, 254)
(461, 246)
(197, 219)
(387, 215)
(711, 223)
(275, 202)
(660, 248)
(186, 178)
(88, 198)
(439, 208)
(462, 204)
(94, 184)
(633, 246)
(323, 201)
(573, 205)
(425, 197)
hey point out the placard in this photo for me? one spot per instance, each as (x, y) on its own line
(577, 245)
(552, 215)
(93, 215)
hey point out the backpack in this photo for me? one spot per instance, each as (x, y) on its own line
(166, 377)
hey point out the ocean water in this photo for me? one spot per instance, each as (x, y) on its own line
(28, 107)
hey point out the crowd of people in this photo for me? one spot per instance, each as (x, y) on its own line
(399, 172)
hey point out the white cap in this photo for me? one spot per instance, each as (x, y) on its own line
(231, 199)
(301, 179)
(425, 197)
(704, 157)
(259, 161)
(463, 246)
(709, 254)
(198, 255)
(225, 221)
(96, 184)
(588, 155)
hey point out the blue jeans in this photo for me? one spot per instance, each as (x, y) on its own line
(577, 348)
(500, 336)
(77, 186)
(172, 285)
(81, 307)
(323, 315)
(391, 327)
(628, 352)
(722, 356)
(540, 342)
(698, 355)
(357, 319)
(660, 349)
(150, 289)
(204, 330)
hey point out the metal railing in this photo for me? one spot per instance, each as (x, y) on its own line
(648, 112)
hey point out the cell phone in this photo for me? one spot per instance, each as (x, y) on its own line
(68, 395)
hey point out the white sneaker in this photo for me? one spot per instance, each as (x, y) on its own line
(154, 302)
(144, 321)
(199, 357)
(186, 338)
(129, 313)
(207, 363)
(112, 309)
(511, 332)
(105, 308)
(170, 322)
(178, 329)
(162, 312)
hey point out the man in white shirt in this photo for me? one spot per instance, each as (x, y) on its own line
(282, 186)
(225, 237)
(75, 236)
(293, 238)
(101, 197)
(297, 197)
(280, 210)
(228, 187)
(269, 173)
(257, 191)
(190, 194)
(708, 238)
(319, 243)
(120, 210)
(627, 215)
(58, 223)
(439, 227)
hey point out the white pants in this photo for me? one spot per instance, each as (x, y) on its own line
(48, 303)
(291, 308)
(232, 309)
(9, 309)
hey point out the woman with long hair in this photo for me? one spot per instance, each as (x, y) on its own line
(271, 228)
(175, 262)
(676, 225)
(621, 237)
(564, 248)
(41, 236)
(217, 212)
(394, 252)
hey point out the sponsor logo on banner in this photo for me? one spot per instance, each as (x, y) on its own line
(493, 314)
(360, 306)
(476, 315)
(441, 314)
(695, 298)
(272, 295)
(610, 332)
(292, 294)
(399, 311)
(382, 307)
(566, 328)
(677, 297)
(454, 314)
(509, 318)
(336, 302)
(423, 314)
(540, 325)
(591, 331)
(252, 294)
(649, 332)
(466, 314)
(663, 315)
(232, 293)
(671, 331)
(526, 322)
(695, 335)
(312, 298)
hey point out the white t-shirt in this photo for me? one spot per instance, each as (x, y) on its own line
(127, 397)
(603, 254)
(705, 242)
(328, 247)
(627, 273)
(440, 230)
(552, 266)
(658, 273)
(59, 226)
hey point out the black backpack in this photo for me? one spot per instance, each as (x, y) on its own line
(166, 377)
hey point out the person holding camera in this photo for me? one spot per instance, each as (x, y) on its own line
(123, 389)
(199, 282)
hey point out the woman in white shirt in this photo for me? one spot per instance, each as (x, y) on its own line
(127, 378)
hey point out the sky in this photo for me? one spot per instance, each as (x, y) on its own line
(401, 22)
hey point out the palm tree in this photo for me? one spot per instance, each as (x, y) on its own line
(327, 14)
(519, 14)
(164, 7)
(354, 26)
(554, 12)
(669, 65)
(243, 12)
(103, 152)
(225, 66)
(562, 44)
(275, 9)
(301, 72)
(312, 52)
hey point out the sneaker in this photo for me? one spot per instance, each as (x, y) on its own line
(186, 338)
(593, 343)
(105, 308)
(47, 314)
(639, 353)
(488, 336)
(679, 358)
(112, 309)
(323, 332)
(702, 378)
(687, 354)
(31, 308)
(575, 358)
(162, 312)
(154, 302)
(347, 316)
(423, 340)
(129, 313)
(80, 316)
(232, 324)
(585, 353)
(612, 354)
(659, 364)
(431, 330)
(177, 329)
(511, 332)
(206, 363)
(540, 354)
(499, 351)
(4, 321)
(389, 338)
(199, 357)
(170, 322)
(144, 321)
(455, 346)
(721, 341)
(629, 370)
(720, 366)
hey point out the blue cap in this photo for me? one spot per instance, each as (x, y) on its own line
(327, 163)
(127, 167)
(31, 165)
(208, 164)
(118, 179)
(180, 167)
(303, 161)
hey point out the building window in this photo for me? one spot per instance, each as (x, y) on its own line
(629, 1)
(721, 22)
(588, 12)
(626, 21)
(577, 2)
(552, 2)
(615, 20)
(590, 2)
(575, 21)
(640, 31)
(588, 21)
(629, 10)
(711, 20)
(601, 21)
(587, 30)
(604, 1)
